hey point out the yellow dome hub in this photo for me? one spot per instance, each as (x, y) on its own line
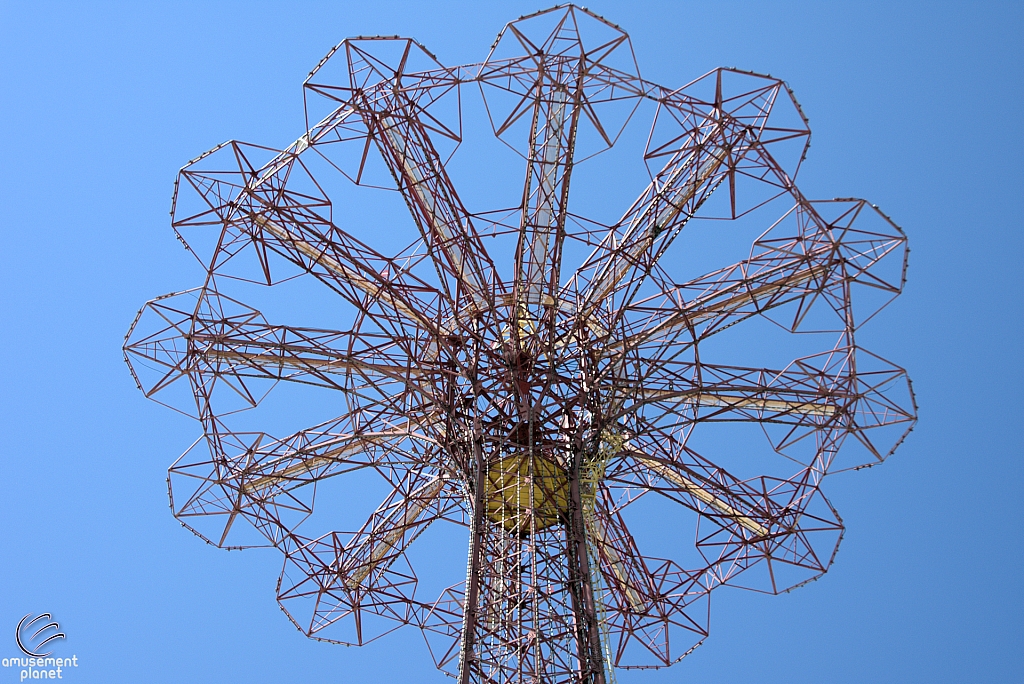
(525, 493)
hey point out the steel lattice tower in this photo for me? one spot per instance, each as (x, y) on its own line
(529, 371)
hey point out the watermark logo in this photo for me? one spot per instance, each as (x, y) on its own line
(36, 636)
(31, 642)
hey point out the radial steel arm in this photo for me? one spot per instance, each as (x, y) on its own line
(366, 573)
(557, 106)
(307, 355)
(394, 533)
(645, 231)
(794, 395)
(704, 488)
(332, 255)
(443, 221)
(321, 457)
(619, 558)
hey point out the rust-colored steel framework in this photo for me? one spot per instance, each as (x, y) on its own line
(533, 373)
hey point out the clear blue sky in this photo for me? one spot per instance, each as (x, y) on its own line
(915, 106)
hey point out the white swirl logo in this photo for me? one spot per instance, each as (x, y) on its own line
(29, 641)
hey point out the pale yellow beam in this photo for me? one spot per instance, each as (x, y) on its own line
(671, 198)
(449, 242)
(346, 273)
(598, 533)
(543, 218)
(698, 492)
(702, 398)
(400, 522)
(287, 157)
(325, 365)
(342, 447)
(726, 301)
